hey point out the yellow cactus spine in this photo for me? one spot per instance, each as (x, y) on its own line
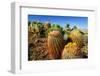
(55, 44)
(76, 37)
(71, 50)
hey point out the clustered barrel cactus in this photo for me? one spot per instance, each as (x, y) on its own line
(51, 41)
(55, 44)
(76, 37)
(71, 50)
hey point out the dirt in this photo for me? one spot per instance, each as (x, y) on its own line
(38, 49)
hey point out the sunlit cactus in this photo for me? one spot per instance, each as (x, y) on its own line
(33, 31)
(55, 44)
(47, 25)
(30, 33)
(77, 37)
(71, 51)
(30, 27)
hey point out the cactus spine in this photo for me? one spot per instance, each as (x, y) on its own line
(55, 44)
(71, 50)
(76, 37)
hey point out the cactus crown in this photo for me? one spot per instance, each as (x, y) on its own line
(54, 33)
(76, 37)
(71, 50)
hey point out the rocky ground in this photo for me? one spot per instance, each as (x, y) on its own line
(38, 50)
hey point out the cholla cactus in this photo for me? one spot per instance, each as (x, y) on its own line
(85, 39)
(84, 50)
(55, 44)
(77, 37)
(30, 28)
(47, 25)
(71, 51)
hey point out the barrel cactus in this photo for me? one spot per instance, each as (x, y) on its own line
(71, 51)
(77, 37)
(55, 44)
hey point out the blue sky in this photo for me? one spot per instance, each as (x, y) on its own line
(81, 22)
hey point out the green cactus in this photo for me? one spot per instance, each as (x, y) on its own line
(71, 51)
(76, 37)
(55, 44)
(54, 27)
(67, 29)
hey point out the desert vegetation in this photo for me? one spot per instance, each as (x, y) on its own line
(47, 41)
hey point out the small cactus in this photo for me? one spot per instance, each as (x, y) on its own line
(71, 51)
(55, 44)
(47, 25)
(30, 28)
(77, 37)
(84, 50)
(85, 39)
